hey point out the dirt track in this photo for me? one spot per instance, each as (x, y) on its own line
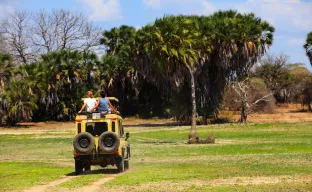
(95, 186)
(45, 187)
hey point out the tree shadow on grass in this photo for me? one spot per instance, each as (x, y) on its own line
(220, 120)
(17, 126)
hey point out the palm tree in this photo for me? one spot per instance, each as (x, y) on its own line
(169, 46)
(20, 102)
(118, 75)
(234, 43)
(6, 72)
(37, 76)
(308, 46)
(210, 50)
(70, 75)
(59, 80)
(6, 69)
(117, 39)
(89, 69)
(119, 42)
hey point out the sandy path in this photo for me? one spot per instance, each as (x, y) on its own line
(96, 186)
(92, 187)
(45, 187)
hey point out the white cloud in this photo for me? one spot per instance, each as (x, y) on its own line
(198, 7)
(282, 13)
(102, 10)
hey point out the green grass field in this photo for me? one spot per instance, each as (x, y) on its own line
(255, 157)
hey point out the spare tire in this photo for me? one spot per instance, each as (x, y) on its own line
(108, 142)
(83, 142)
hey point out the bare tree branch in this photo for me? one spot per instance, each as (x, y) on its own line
(16, 35)
(264, 98)
(30, 35)
(242, 88)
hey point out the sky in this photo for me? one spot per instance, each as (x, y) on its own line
(291, 18)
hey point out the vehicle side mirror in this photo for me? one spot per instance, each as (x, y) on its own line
(127, 136)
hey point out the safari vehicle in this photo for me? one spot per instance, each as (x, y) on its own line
(100, 140)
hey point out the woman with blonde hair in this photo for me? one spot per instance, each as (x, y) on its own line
(89, 102)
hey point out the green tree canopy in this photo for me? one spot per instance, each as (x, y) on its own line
(6, 69)
(202, 51)
(118, 76)
(308, 46)
(19, 101)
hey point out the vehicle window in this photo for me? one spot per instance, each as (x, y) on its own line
(121, 131)
(96, 128)
(79, 127)
(113, 126)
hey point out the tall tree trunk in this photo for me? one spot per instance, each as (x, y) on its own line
(243, 116)
(309, 54)
(308, 100)
(244, 112)
(193, 137)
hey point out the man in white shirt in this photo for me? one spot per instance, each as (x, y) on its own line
(89, 102)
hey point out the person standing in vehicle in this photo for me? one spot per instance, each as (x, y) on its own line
(103, 105)
(89, 102)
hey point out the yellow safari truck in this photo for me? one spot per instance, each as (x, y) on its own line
(100, 140)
